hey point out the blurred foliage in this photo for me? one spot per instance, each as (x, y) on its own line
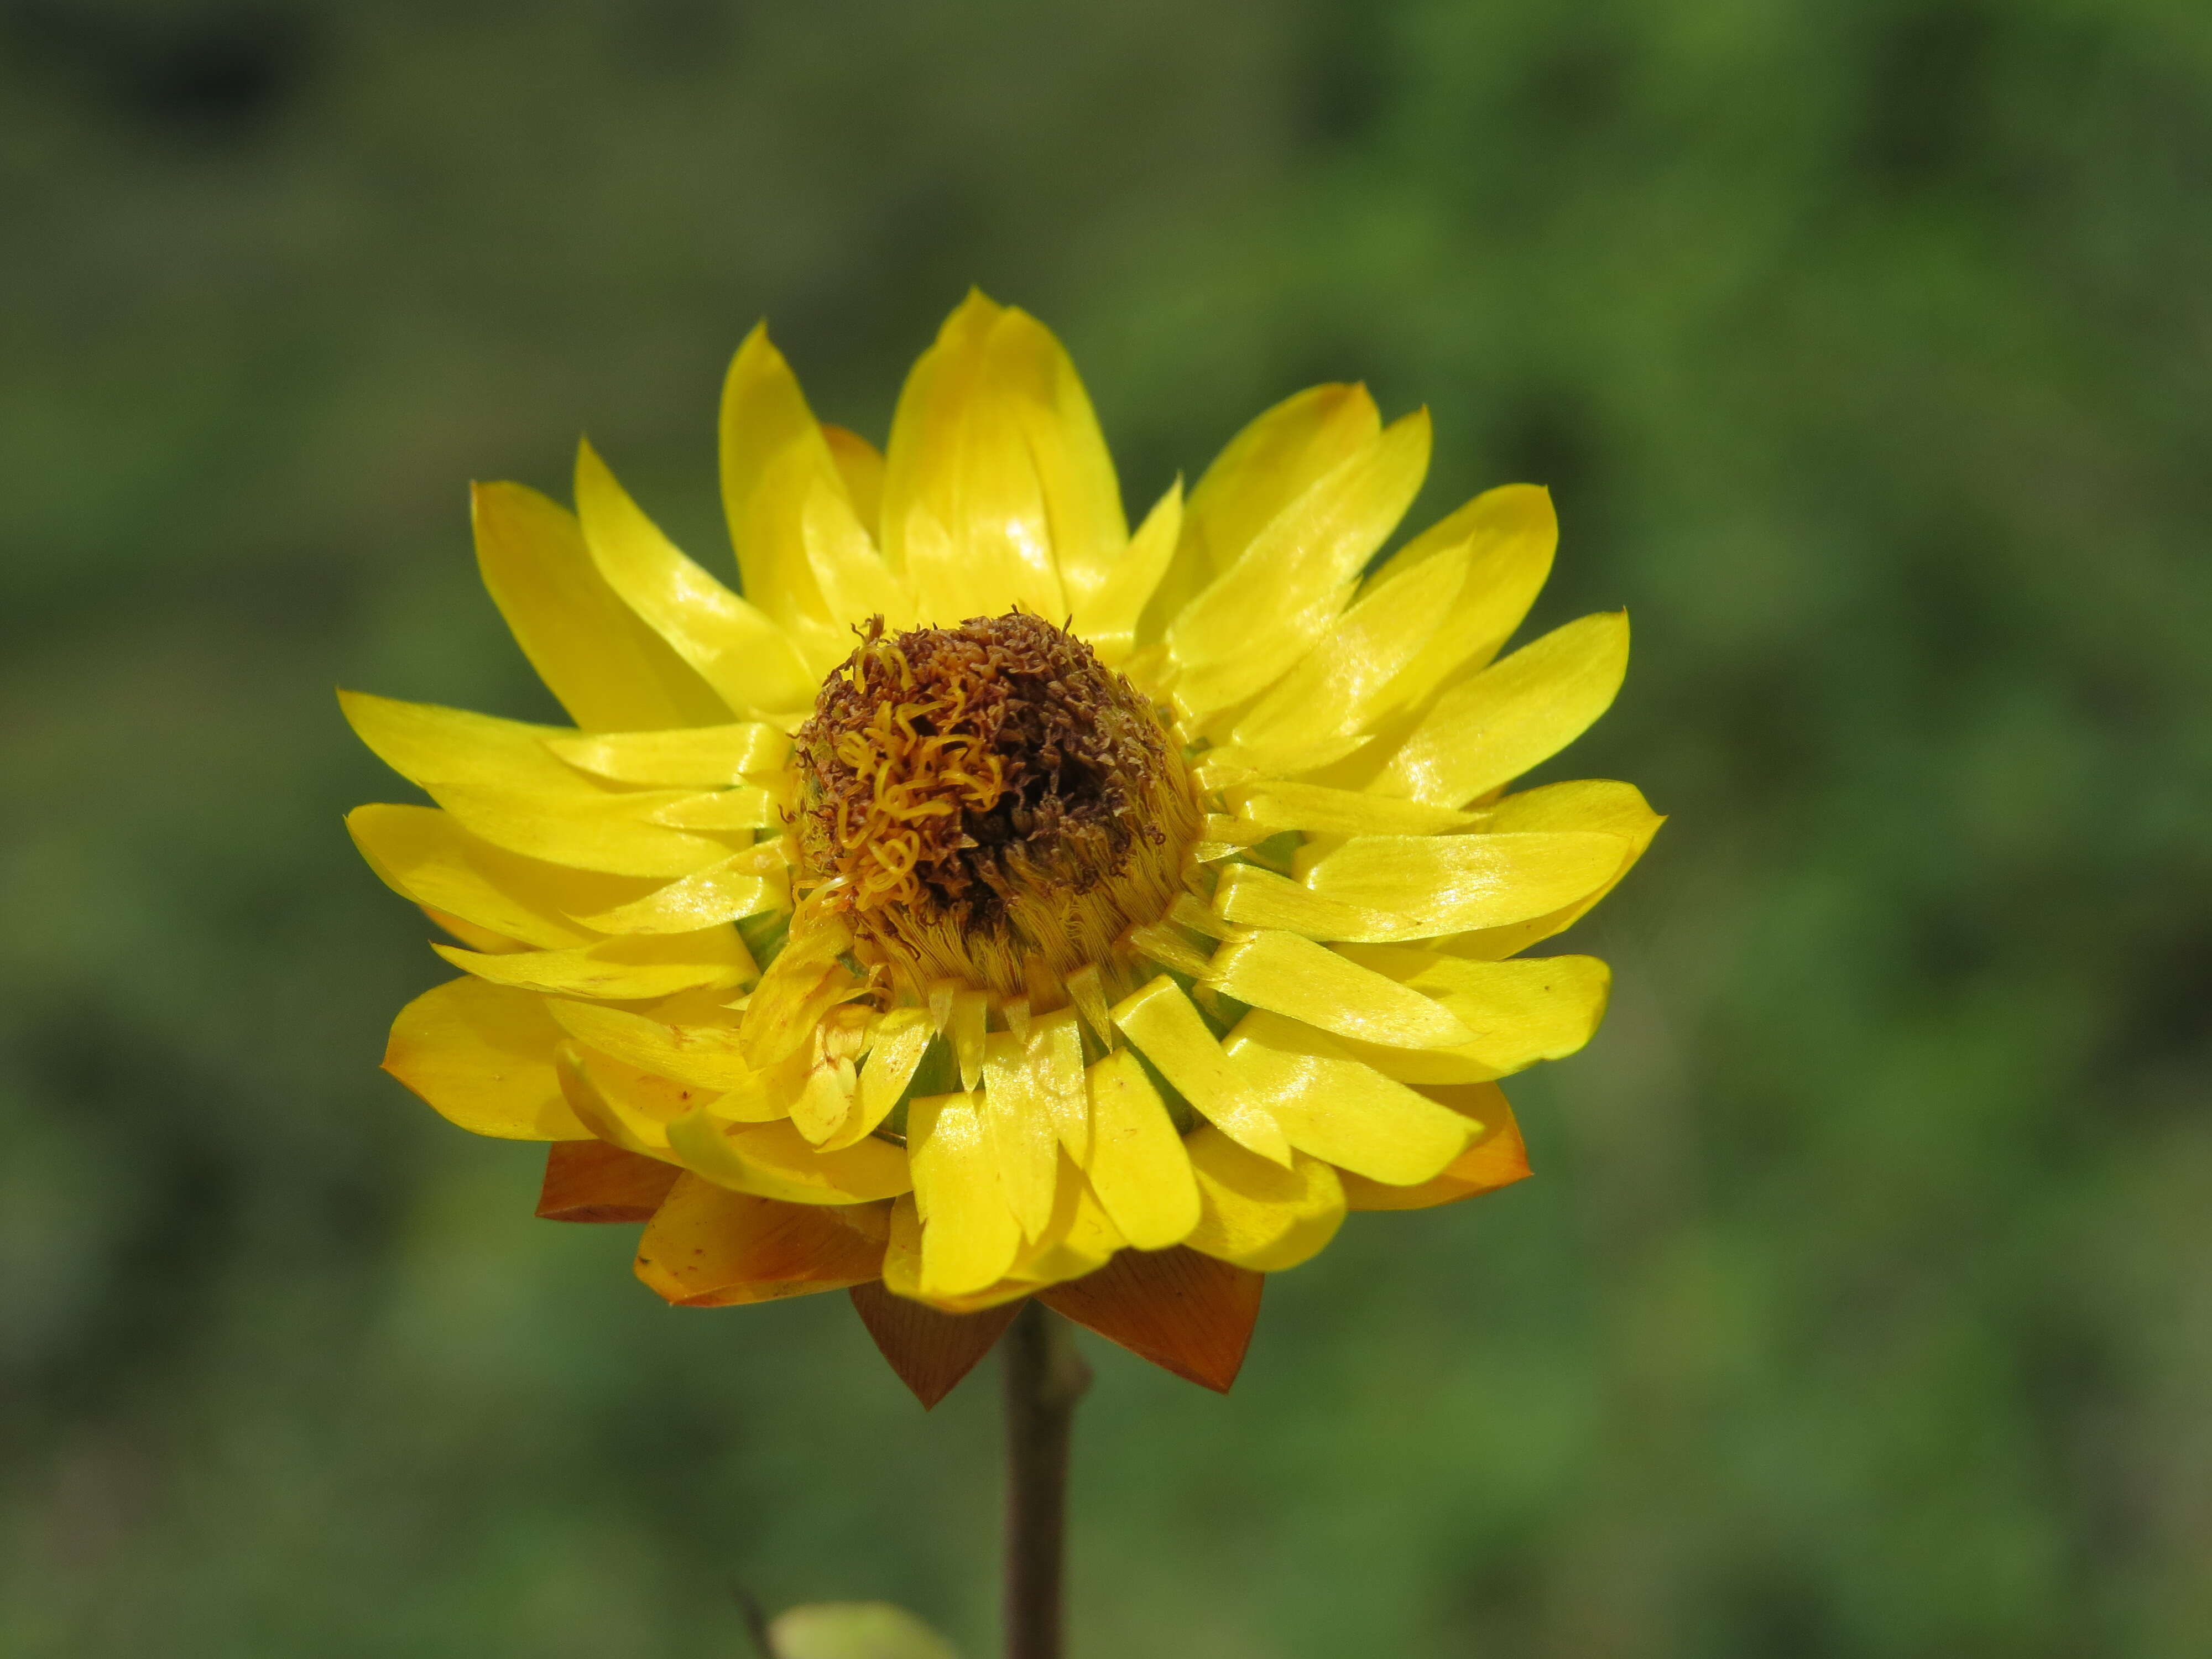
(1863, 1303)
(851, 1630)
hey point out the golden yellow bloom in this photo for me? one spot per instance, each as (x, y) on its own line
(995, 901)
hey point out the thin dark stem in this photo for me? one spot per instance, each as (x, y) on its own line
(1045, 1376)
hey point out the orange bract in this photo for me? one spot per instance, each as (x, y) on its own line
(1178, 1308)
(930, 1350)
(591, 1181)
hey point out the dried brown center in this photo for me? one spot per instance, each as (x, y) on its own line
(952, 773)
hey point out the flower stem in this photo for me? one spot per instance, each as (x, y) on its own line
(1045, 1376)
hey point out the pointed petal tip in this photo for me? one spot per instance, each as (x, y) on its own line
(1187, 1313)
(757, 350)
(1418, 421)
(927, 1350)
(976, 308)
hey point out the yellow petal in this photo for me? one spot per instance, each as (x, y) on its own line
(623, 1106)
(773, 454)
(823, 1104)
(971, 1009)
(854, 579)
(1107, 616)
(1508, 536)
(744, 884)
(1261, 471)
(774, 1160)
(702, 757)
(1495, 1158)
(1258, 1214)
(732, 644)
(1023, 1142)
(1138, 1166)
(1310, 983)
(968, 1235)
(1613, 809)
(1341, 1111)
(1188, 912)
(1316, 810)
(775, 463)
(964, 513)
(643, 1103)
(706, 1056)
(1263, 613)
(789, 998)
(899, 1041)
(1450, 884)
(421, 854)
(616, 969)
(1227, 766)
(1516, 714)
(903, 1273)
(717, 810)
(1168, 947)
(1086, 991)
(902, 1251)
(1078, 1238)
(861, 465)
(609, 833)
(430, 745)
(777, 1155)
(609, 670)
(1075, 470)
(476, 938)
(1056, 1059)
(1166, 1027)
(1253, 897)
(1335, 692)
(902, 1269)
(1219, 828)
(770, 1093)
(503, 784)
(483, 1056)
(1521, 1012)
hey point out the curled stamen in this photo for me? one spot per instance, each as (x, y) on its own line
(950, 770)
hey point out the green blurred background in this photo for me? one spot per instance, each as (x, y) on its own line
(1862, 1305)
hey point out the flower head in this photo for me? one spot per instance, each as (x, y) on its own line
(988, 804)
(994, 903)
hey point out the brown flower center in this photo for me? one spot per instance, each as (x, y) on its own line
(979, 795)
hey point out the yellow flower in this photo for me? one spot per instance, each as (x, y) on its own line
(993, 901)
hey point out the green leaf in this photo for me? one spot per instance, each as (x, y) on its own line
(854, 1630)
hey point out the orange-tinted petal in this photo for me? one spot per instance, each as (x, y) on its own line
(1185, 1312)
(591, 1181)
(1495, 1159)
(708, 1247)
(930, 1350)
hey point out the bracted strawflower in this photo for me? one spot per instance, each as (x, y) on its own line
(994, 903)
